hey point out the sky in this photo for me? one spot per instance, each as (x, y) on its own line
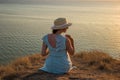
(56, 2)
(46, 1)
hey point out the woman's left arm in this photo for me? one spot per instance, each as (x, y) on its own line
(44, 51)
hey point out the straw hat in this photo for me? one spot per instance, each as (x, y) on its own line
(60, 23)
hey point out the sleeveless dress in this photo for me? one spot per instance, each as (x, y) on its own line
(58, 60)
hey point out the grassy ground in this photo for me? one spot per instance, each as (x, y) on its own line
(93, 65)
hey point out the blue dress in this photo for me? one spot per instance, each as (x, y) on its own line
(58, 60)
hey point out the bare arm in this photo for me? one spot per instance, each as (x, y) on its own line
(70, 45)
(44, 50)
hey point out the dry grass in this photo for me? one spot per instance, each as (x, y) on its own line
(7, 70)
(85, 61)
(20, 65)
(97, 60)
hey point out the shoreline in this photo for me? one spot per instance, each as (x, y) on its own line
(92, 65)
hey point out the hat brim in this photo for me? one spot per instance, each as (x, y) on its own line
(61, 26)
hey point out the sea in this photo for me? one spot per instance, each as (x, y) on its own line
(95, 26)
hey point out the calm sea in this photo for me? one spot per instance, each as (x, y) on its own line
(95, 27)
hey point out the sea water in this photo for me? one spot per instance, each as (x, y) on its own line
(95, 27)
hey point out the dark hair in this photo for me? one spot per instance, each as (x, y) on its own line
(54, 31)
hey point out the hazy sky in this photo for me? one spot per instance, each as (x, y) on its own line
(48, 1)
(17, 1)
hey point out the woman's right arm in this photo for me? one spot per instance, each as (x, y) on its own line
(70, 45)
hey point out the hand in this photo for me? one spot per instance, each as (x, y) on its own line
(69, 37)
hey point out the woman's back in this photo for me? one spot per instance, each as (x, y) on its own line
(56, 44)
(58, 60)
(52, 40)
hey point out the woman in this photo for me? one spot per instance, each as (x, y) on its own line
(58, 48)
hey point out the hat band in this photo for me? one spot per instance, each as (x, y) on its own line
(59, 27)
